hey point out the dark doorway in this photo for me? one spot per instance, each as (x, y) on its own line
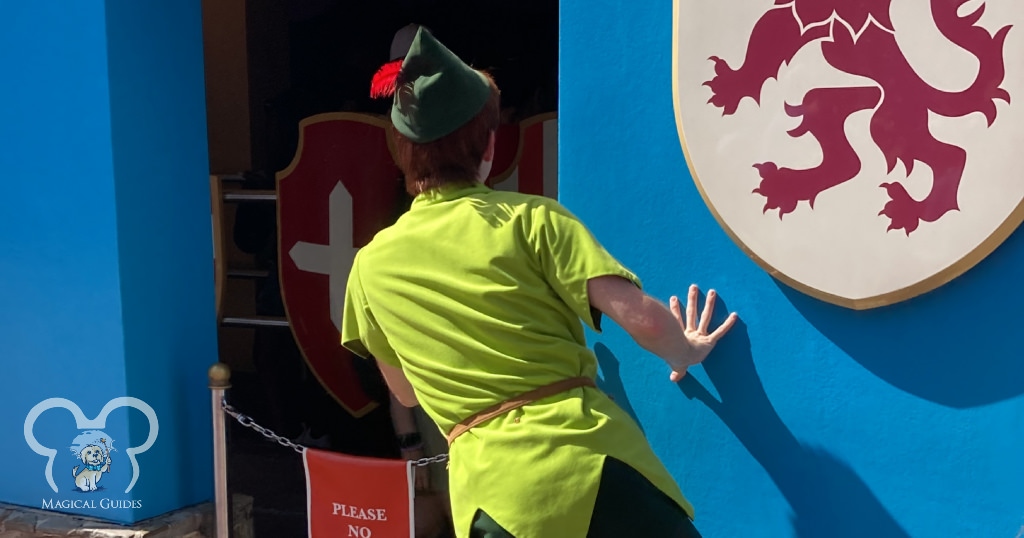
(270, 64)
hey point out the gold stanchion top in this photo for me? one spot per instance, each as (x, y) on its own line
(220, 376)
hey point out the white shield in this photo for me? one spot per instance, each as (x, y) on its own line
(862, 152)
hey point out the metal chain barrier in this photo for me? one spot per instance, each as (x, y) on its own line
(248, 422)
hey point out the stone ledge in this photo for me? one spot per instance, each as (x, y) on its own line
(191, 522)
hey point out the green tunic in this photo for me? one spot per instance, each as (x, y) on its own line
(478, 295)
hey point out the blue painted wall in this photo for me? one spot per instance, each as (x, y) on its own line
(161, 168)
(106, 267)
(810, 420)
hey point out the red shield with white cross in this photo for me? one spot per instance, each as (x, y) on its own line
(341, 189)
(526, 156)
(861, 151)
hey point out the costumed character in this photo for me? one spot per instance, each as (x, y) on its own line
(473, 305)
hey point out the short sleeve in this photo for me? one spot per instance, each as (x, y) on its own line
(360, 332)
(569, 256)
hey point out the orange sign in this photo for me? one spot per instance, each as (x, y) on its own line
(349, 496)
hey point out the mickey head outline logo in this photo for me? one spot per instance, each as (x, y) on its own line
(83, 423)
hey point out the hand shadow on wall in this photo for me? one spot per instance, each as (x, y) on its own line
(826, 495)
(957, 346)
(610, 382)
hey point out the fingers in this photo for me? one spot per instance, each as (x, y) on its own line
(675, 377)
(673, 305)
(691, 308)
(709, 310)
(724, 327)
(702, 325)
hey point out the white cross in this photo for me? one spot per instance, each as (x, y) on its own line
(335, 258)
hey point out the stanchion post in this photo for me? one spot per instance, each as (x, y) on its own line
(220, 380)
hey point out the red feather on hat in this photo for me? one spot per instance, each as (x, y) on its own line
(385, 80)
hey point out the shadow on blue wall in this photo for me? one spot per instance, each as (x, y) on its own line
(610, 381)
(952, 346)
(826, 495)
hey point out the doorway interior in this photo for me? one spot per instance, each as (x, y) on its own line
(270, 64)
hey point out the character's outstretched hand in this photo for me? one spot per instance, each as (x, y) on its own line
(696, 329)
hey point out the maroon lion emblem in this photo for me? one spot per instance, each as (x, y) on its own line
(857, 37)
(881, 115)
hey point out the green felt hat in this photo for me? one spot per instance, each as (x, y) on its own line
(435, 92)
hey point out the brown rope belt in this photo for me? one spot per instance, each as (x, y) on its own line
(516, 402)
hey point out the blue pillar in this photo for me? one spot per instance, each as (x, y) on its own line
(107, 320)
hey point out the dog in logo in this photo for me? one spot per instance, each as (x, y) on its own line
(95, 462)
(858, 37)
